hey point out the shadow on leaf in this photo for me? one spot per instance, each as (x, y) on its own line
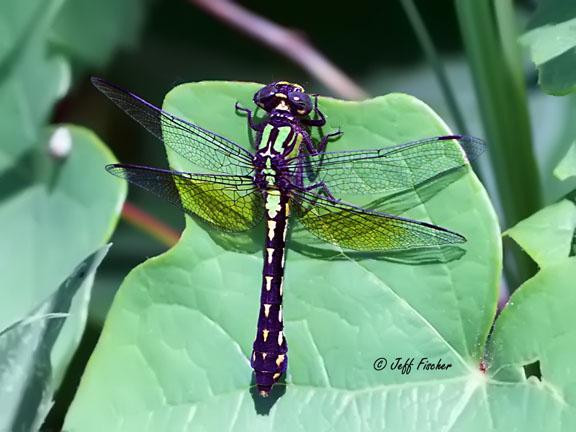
(263, 405)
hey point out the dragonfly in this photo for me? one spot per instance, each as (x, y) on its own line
(290, 172)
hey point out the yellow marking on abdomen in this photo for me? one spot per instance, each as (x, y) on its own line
(270, 252)
(268, 282)
(280, 338)
(271, 228)
(266, 310)
(273, 203)
(265, 334)
(275, 376)
(280, 314)
(280, 359)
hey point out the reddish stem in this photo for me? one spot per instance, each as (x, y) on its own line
(150, 224)
(287, 42)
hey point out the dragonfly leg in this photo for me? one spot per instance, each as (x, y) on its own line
(320, 121)
(313, 149)
(310, 146)
(299, 175)
(251, 123)
(324, 140)
(323, 188)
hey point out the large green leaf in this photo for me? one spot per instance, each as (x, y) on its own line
(536, 331)
(17, 19)
(26, 380)
(547, 235)
(534, 335)
(174, 351)
(567, 166)
(54, 211)
(551, 37)
(32, 79)
(90, 31)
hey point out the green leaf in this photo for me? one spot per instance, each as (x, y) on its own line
(567, 166)
(54, 211)
(537, 326)
(551, 37)
(174, 351)
(90, 32)
(533, 345)
(32, 79)
(547, 235)
(26, 381)
(17, 18)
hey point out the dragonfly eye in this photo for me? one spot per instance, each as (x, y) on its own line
(265, 97)
(300, 103)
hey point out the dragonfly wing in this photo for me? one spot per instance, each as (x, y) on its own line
(227, 202)
(356, 228)
(393, 169)
(198, 145)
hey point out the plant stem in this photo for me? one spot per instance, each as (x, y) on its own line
(490, 40)
(433, 58)
(287, 42)
(149, 224)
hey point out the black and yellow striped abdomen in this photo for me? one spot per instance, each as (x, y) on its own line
(269, 359)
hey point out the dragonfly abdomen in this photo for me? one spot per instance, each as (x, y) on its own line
(269, 359)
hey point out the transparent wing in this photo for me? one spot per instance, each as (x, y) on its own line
(198, 145)
(356, 228)
(391, 169)
(227, 202)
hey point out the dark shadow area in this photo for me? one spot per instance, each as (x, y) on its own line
(65, 394)
(263, 405)
(533, 369)
(54, 173)
(19, 176)
(572, 198)
(244, 242)
(511, 270)
(420, 194)
(406, 200)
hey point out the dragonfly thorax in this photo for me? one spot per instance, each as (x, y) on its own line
(277, 145)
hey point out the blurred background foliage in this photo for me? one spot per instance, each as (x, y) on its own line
(48, 50)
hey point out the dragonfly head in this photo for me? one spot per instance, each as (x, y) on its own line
(284, 96)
